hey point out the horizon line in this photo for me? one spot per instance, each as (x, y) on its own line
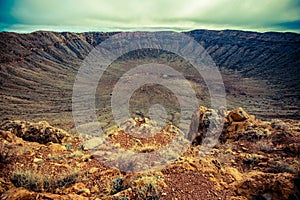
(151, 29)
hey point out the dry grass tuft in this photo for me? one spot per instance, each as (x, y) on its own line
(38, 182)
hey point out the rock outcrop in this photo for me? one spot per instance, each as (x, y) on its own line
(234, 125)
(40, 132)
(259, 145)
(266, 186)
(204, 120)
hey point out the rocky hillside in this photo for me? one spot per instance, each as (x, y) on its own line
(37, 71)
(274, 56)
(255, 156)
(253, 159)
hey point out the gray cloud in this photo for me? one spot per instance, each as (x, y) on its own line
(267, 15)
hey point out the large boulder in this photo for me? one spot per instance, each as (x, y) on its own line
(237, 115)
(220, 125)
(203, 121)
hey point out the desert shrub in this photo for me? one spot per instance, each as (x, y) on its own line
(68, 146)
(279, 125)
(63, 181)
(265, 146)
(28, 180)
(38, 182)
(116, 186)
(148, 187)
(251, 160)
(281, 167)
(6, 153)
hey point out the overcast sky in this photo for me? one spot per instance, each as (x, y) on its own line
(179, 15)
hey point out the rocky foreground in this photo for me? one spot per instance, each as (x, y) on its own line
(254, 159)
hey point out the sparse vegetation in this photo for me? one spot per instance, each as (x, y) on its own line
(116, 186)
(264, 145)
(29, 180)
(68, 146)
(281, 167)
(39, 182)
(279, 124)
(146, 186)
(149, 187)
(251, 160)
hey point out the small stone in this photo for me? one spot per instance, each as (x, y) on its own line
(57, 148)
(229, 151)
(237, 115)
(37, 160)
(244, 149)
(232, 161)
(84, 192)
(93, 170)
